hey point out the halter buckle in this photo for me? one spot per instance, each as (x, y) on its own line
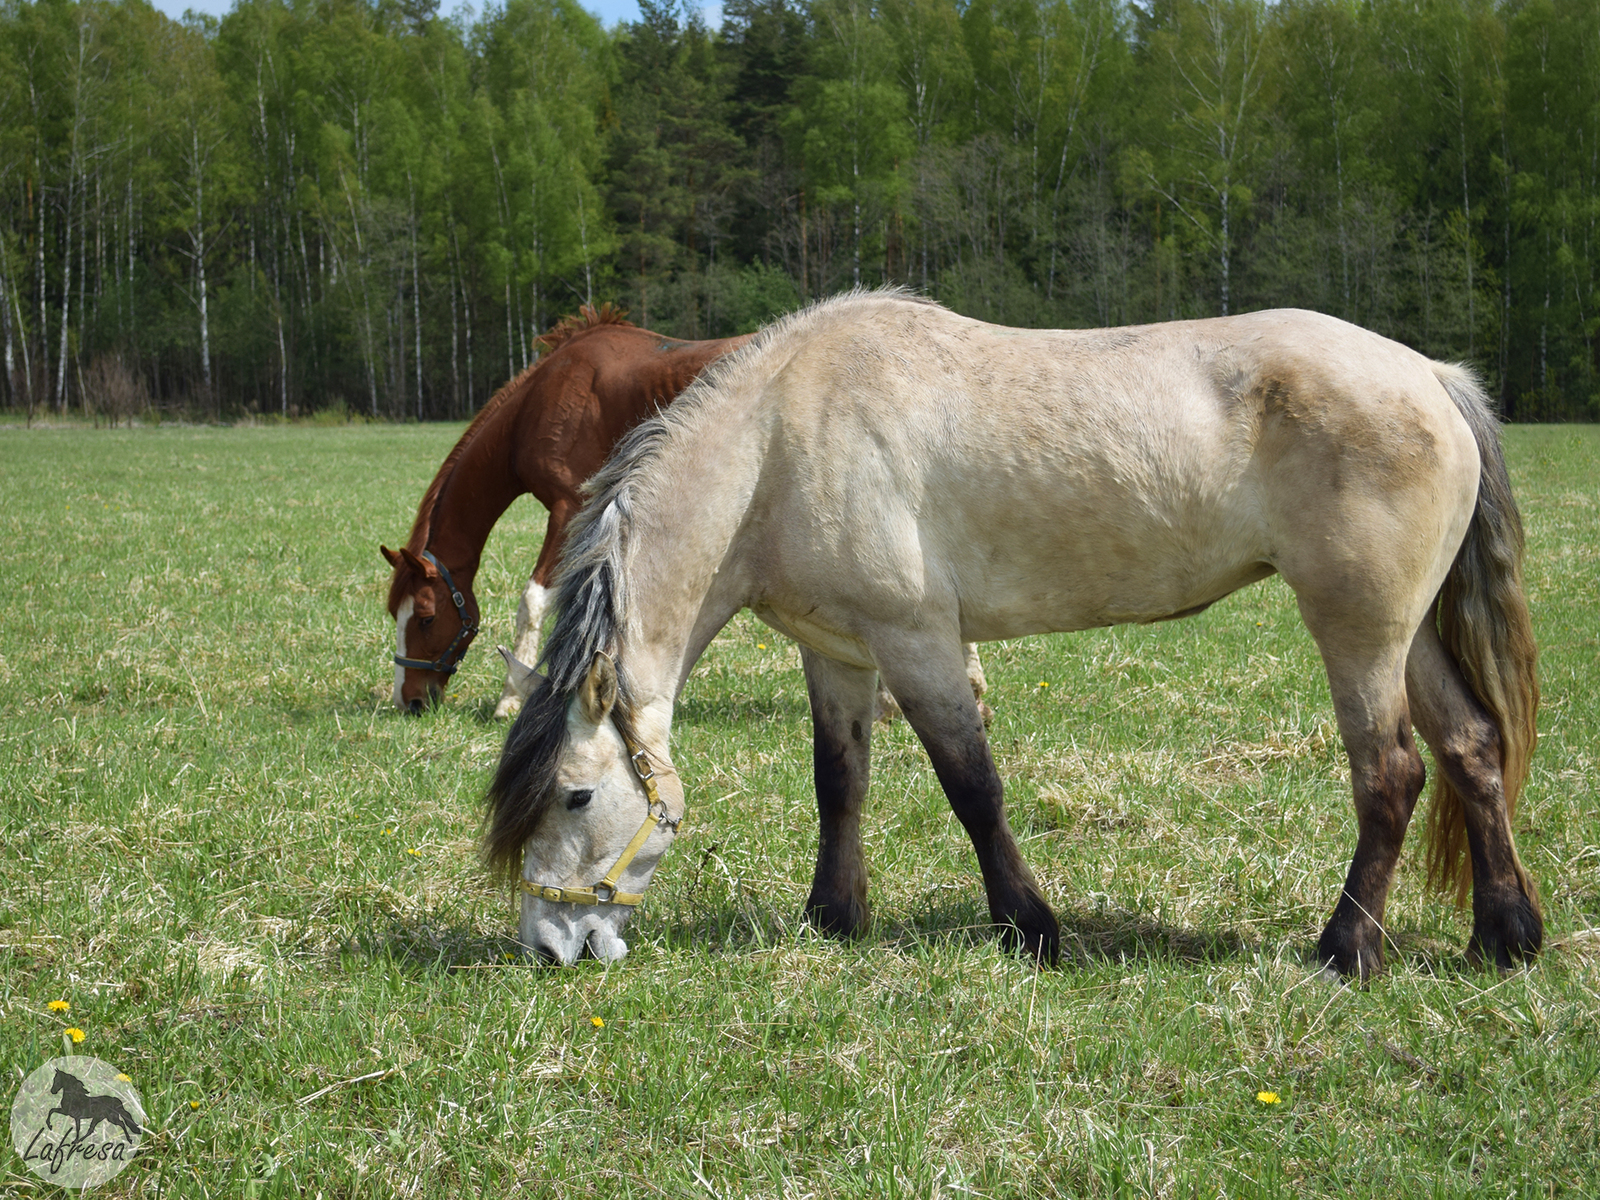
(449, 662)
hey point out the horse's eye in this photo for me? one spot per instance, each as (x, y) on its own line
(579, 798)
(426, 621)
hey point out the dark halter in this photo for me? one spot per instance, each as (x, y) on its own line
(449, 662)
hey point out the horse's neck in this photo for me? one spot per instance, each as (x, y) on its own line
(686, 576)
(481, 486)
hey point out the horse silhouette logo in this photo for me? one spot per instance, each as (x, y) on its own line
(77, 1121)
(77, 1103)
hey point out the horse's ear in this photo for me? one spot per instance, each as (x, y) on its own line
(523, 677)
(421, 566)
(598, 691)
(389, 556)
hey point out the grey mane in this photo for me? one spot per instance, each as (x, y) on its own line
(591, 608)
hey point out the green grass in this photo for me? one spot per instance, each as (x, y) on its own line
(209, 806)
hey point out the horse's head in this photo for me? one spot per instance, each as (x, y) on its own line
(65, 1083)
(585, 810)
(435, 618)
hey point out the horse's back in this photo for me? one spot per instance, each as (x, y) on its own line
(592, 389)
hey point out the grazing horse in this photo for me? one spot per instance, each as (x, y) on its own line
(78, 1105)
(545, 432)
(881, 480)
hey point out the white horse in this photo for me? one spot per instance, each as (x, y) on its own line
(883, 480)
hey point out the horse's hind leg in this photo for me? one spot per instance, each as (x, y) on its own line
(1386, 772)
(1506, 923)
(930, 679)
(842, 700)
(531, 608)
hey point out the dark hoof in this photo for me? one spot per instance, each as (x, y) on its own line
(1350, 953)
(1505, 934)
(847, 918)
(1033, 932)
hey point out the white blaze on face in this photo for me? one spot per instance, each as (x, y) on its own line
(401, 619)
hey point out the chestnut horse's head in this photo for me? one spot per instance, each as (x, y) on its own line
(436, 618)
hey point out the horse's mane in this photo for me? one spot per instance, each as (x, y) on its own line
(591, 607)
(591, 599)
(562, 332)
(587, 317)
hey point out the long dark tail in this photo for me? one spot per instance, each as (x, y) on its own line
(1484, 623)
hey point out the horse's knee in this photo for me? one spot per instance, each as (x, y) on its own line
(978, 803)
(1470, 757)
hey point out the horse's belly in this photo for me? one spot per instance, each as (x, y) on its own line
(829, 642)
(1087, 576)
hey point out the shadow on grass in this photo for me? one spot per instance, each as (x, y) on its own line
(712, 711)
(422, 946)
(735, 927)
(1088, 937)
(961, 924)
(1100, 936)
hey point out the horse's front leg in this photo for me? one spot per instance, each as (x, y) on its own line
(889, 707)
(929, 676)
(531, 609)
(842, 701)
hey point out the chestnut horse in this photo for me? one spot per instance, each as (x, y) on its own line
(882, 480)
(545, 432)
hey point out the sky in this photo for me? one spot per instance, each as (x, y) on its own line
(609, 11)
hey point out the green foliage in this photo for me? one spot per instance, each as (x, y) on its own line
(362, 200)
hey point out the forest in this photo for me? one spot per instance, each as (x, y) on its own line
(364, 207)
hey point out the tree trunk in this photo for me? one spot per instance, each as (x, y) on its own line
(66, 298)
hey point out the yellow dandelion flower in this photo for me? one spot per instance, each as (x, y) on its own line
(77, 1035)
(597, 1022)
(194, 1104)
(1268, 1097)
(59, 1006)
(1044, 683)
(387, 832)
(761, 645)
(413, 851)
(121, 1078)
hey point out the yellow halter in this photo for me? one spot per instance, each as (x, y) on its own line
(591, 895)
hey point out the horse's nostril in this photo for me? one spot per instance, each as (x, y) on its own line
(547, 956)
(414, 707)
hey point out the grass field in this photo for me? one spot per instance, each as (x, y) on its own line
(254, 882)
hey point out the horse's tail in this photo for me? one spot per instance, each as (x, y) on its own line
(1484, 623)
